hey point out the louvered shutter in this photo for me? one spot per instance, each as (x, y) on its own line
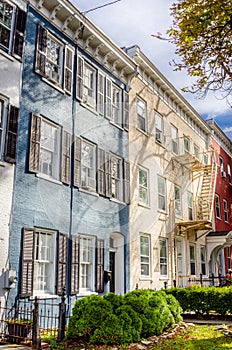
(100, 266)
(68, 70)
(108, 175)
(126, 180)
(101, 184)
(62, 254)
(77, 162)
(108, 99)
(75, 264)
(80, 77)
(100, 94)
(126, 110)
(34, 143)
(19, 32)
(12, 134)
(27, 263)
(40, 65)
(66, 156)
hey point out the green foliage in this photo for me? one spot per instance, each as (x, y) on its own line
(113, 319)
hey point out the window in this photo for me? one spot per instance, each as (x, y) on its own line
(217, 204)
(117, 106)
(88, 165)
(205, 159)
(190, 205)
(163, 257)
(141, 115)
(45, 156)
(12, 29)
(192, 259)
(54, 60)
(89, 83)
(161, 193)
(228, 257)
(159, 128)
(44, 262)
(186, 145)
(145, 256)
(229, 173)
(225, 208)
(8, 130)
(174, 137)
(221, 162)
(143, 186)
(177, 198)
(196, 151)
(116, 177)
(203, 260)
(86, 263)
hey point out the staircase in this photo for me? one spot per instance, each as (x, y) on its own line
(206, 198)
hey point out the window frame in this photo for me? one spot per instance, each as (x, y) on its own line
(117, 105)
(159, 136)
(217, 206)
(221, 165)
(196, 151)
(186, 143)
(143, 188)
(178, 201)
(145, 256)
(203, 260)
(163, 260)
(229, 173)
(190, 208)
(90, 183)
(142, 116)
(162, 195)
(3, 123)
(225, 210)
(117, 178)
(89, 280)
(175, 140)
(192, 259)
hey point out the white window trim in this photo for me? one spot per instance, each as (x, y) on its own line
(141, 116)
(87, 291)
(174, 141)
(87, 186)
(225, 210)
(119, 196)
(164, 257)
(192, 261)
(203, 261)
(217, 206)
(141, 202)
(164, 195)
(5, 106)
(89, 100)
(146, 256)
(9, 50)
(178, 200)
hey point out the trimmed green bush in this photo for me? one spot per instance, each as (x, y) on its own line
(115, 319)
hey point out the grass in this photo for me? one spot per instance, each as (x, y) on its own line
(200, 337)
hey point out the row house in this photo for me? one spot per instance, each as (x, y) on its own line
(172, 181)
(70, 219)
(219, 240)
(12, 33)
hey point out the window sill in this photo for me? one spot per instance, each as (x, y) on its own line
(162, 211)
(162, 278)
(142, 131)
(44, 296)
(143, 278)
(90, 108)
(45, 177)
(91, 192)
(117, 126)
(53, 85)
(6, 55)
(144, 205)
(160, 144)
(117, 201)
(86, 293)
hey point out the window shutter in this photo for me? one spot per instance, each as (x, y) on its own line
(100, 266)
(62, 255)
(108, 99)
(66, 155)
(40, 65)
(12, 134)
(68, 70)
(27, 263)
(126, 110)
(108, 175)
(100, 94)
(19, 32)
(34, 143)
(77, 162)
(126, 171)
(75, 265)
(80, 77)
(101, 185)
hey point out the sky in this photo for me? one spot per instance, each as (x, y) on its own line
(130, 22)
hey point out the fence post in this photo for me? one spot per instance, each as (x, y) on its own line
(36, 340)
(62, 317)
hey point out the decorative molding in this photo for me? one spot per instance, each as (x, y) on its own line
(88, 40)
(66, 22)
(54, 11)
(97, 49)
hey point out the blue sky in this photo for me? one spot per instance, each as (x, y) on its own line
(129, 22)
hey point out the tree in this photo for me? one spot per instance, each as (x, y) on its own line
(202, 33)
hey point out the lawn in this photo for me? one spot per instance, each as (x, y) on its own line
(200, 337)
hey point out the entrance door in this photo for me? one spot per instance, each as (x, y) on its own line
(112, 269)
(181, 263)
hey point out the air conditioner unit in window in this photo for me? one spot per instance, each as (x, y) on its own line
(223, 173)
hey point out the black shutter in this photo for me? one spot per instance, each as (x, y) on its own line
(77, 162)
(12, 134)
(68, 69)
(40, 65)
(75, 264)
(62, 254)
(126, 110)
(108, 175)
(101, 183)
(27, 263)
(80, 77)
(34, 143)
(19, 32)
(66, 154)
(126, 180)
(100, 266)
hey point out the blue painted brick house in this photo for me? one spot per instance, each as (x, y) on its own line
(70, 207)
